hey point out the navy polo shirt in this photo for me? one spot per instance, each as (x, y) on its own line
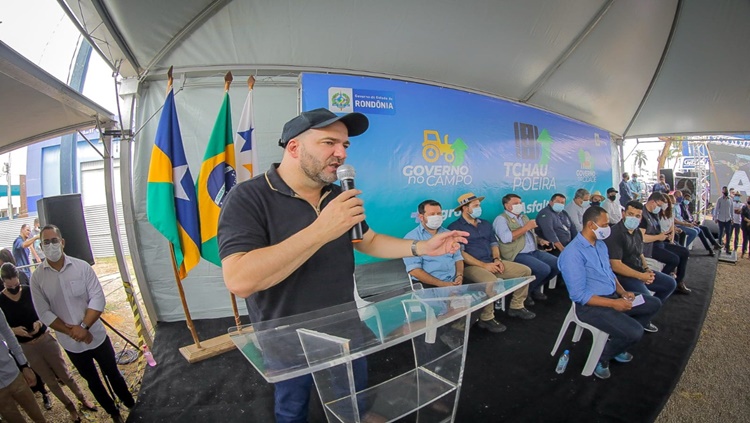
(263, 212)
(481, 238)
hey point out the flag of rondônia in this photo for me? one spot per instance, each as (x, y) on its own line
(171, 205)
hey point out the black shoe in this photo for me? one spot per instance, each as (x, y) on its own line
(47, 402)
(711, 253)
(528, 302)
(492, 325)
(651, 328)
(538, 296)
(521, 313)
(117, 418)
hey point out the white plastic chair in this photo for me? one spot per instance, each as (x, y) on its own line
(597, 346)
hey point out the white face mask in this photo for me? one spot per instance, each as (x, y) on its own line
(517, 208)
(602, 233)
(53, 252)
(434, 222)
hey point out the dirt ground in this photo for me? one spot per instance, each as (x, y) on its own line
(714, 387)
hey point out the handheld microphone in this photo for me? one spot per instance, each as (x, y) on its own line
(346, 174)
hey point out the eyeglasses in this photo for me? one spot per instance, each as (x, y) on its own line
(54, 241)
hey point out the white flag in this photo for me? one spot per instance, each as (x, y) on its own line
(244, 142)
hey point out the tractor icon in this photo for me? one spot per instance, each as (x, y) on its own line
(433, 148)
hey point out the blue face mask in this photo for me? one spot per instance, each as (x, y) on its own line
(585, 204)
(657, 209)
(596, 203)
(557, 207)
(632, 222)
(685, 202)
(736, 198)
(476, 212)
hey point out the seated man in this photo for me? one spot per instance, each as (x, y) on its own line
(518, 244)
(704, 234)
(482, 260)
(555, 225)
(625, 247)
(445, 270)
(596, 199)
(576, 207)
(600, 299)
(612, 206)
(675, 257)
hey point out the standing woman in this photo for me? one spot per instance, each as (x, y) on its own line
(745, 213)
(39, 347)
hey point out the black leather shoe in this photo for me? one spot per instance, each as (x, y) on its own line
(682, 289)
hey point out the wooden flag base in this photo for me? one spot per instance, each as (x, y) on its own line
(209, 348)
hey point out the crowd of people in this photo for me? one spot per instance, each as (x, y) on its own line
(63, 294)
(607, 250)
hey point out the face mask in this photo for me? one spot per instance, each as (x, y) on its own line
(557, 207)
(686, 202)
(634, 178)
(613, 197)
(595, 203)
(434, 222)
(736, 198)
(726, 194)
(476, 212)
(53, 252)
(585, 204)
(602, 233)
(657, 209)
(632, 222)
(15, 290)
(517, 209)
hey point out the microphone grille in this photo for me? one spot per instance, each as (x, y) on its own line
(345, 172)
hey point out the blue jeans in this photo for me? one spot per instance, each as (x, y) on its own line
(691, 234)
(663, 285)
(292, 397)
(624, 328)
(736, 230)
(674, 257)
(543, 265)
(725, 231)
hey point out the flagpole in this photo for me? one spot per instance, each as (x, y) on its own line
(182, 297)
(170, 80)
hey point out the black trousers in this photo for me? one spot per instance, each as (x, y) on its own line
(104, 355)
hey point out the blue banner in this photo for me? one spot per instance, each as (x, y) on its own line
(427, 142)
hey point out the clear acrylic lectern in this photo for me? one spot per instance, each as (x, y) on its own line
(331, 343)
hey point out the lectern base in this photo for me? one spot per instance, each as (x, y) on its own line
(209, 348)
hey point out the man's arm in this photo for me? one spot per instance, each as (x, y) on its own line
(653, 238)
(384, 246)
(29, 241)
(94, 308)
(253, 271)
(427, 278)
(623, 269)
(546, 224)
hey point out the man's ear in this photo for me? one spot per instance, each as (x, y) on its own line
(293, 147)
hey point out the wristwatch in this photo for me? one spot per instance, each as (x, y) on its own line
(84, 325)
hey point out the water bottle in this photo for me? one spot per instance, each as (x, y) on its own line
(563, 362)
(150, 357)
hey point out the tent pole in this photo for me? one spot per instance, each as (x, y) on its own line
(114, 228)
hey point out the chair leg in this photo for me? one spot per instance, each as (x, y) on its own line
(577, 334)
(553, 283)
(597, 346)
(560, 337)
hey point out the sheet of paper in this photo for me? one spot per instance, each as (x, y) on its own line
(638, 300)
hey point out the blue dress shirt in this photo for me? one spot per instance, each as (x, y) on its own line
(586, 270)
(441, 267)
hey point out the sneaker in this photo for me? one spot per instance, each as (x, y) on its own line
(538, 296)
(624, 357)
(602, 371)
(47, 402)
(529, 301)
(521, 313)
(651, 328)
(492, 325)
(451, 339)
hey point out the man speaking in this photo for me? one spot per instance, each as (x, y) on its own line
(284, 236)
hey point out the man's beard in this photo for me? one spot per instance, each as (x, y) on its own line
(315, 169)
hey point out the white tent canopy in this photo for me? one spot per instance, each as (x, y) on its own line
(635, 68)
(36, 106)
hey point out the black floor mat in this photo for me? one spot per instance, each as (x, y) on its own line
(508, 376)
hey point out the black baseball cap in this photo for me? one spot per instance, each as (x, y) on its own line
(611, 190)
(356, 123)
